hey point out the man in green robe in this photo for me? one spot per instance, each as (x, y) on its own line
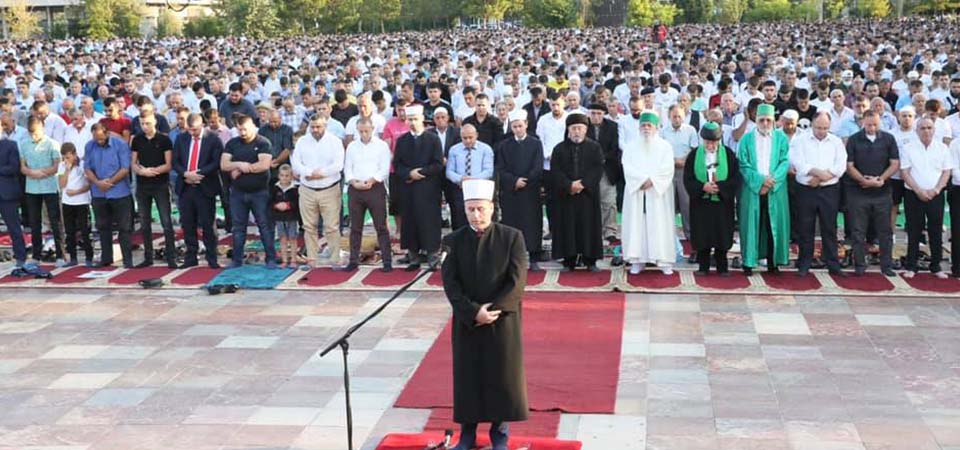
(764, 212)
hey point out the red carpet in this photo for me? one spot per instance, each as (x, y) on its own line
(927, 282)
(869, 282)
(196, 275)
(398, 277)
(420, 441)
(133, 276)
(736, 280)
(137, 237)
(544, 424)
(687, 248)
(325, 276)
(653, 279)
(72, 275)
(584, 279)
(533, 278)
(559, 330)
(791, 282)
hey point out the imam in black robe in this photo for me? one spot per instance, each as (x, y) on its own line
(420, 199)
(711, 223)
(578, 227)
(521, 209)
(489, 384)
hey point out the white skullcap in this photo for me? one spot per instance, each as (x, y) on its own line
(477, 189)
(909, 109)
(414, 110)
(847, 74)
(913, 75)
(791, 115)
(517, 115)
(439, 110)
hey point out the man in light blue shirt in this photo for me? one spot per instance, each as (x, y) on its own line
(39, 161)
(468, 159)
(107, 164)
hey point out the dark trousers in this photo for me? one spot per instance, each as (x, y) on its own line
(108, 212)
(160, 195)
(954, 198)
(765, 229)
(9, 211)
(864, 211)
(819, 204)
(225, 202)
(458, 213)
(241, 205)
(35, 205)
(571, 262)
(76, 222)
(918, 211)
(197, 213)
(549, 201)
(358, 203)
(719, 259)
(792, 188)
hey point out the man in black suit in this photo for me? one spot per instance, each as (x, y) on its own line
(537, 107)
(10, 194)
(449, 136)
(604, 131)
(196, 156)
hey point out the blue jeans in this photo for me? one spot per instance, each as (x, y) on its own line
(241, 205)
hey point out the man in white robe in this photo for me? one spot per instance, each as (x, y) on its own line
(649, 230)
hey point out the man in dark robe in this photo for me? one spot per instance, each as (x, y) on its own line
(711, 177)
(520, 169)
(576, 168)
(484, 276)
(418, 159)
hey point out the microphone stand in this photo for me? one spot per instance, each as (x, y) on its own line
(344, 345)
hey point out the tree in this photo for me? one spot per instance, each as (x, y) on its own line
(643, 13)
(251, 18)
(169, 24)
(695, 11)
(378, 12)
(550, 13)
(873, 8)
(731, 11)
(23, 23)
(490, 9)
(107, 19)
(205, 26)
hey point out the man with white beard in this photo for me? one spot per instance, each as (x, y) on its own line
(648, 210)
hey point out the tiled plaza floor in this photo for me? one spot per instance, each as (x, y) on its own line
(175, 370)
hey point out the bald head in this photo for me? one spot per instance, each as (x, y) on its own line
(468, 135)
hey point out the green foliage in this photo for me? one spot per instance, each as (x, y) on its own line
(873, 8)
(490, 9)
(206, 26)
(731, 11)
(697, 10)
(23, 23)
(169, 24)
(550, 13)
(935, 6)
(643, 13)
(832, 9)
(107, 19)
(251, 18)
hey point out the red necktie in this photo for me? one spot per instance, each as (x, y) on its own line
(194, 156)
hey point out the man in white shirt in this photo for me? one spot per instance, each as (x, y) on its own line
(954, 199)
(367, 110)
(53, 125)
(78, 133)
(551, 128)
(905, 135)
(926, 169)
(317, 160)
(682, 137)
(820, 159)
(366, 167)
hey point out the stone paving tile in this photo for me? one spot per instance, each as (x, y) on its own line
(104, 370)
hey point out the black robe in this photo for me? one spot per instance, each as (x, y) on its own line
(578, 227)
(489, 384)
(522, 208)
(712, 223)
(421, 199)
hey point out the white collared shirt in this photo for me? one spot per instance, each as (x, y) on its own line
(955, 161)
(764, 147)
(365, 161)
(550, 130)
(807, 153)
(310, 154)
(926, 164)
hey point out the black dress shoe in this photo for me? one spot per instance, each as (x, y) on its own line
(386, 269)
(143, 265)
(171, 264)
(348, 268)
(692, 259)
(535, 267)
(187, 265)
(593, 268)
(412, 267)
(213, 265)
(859, 271)
(773, 270)
(802, 273)
(724, 274)
(702, 272)
(838, 273)
(889, 272)
(747, 271)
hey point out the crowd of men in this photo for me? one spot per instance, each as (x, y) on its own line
(755, 134)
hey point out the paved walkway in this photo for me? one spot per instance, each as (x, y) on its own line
(176, 370)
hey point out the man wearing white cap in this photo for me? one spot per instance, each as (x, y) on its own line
(418, 162)
(484, 276)
(520, 168)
